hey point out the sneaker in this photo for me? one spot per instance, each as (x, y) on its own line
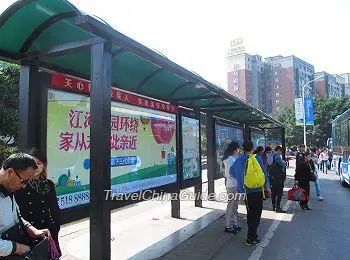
(237, 228)
(250, 242)
(320, 198)
(279, 210)
(231, 230)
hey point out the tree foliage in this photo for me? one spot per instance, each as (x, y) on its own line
(325, 110)
(9, 95)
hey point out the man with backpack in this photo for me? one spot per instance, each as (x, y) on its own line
(277, 171)
(251, 176)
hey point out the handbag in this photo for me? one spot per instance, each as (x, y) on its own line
(39, 251)
(297, 194)
(39, 248)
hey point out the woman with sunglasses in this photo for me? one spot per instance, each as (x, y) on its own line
(38, 202)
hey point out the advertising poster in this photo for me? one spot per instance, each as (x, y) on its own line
(224, 136)
(258, 139)
(309, 111)
(299, 111)
(190, 150)
(142, 141)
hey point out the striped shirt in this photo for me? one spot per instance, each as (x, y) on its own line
(8, 219)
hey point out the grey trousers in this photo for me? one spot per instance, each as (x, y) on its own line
(232, 207)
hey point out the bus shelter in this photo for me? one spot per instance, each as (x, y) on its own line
(114, 115)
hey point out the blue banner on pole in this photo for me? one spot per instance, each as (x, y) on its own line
(309, 111)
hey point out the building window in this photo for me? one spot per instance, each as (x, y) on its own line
(277, 94)
(236, 88)
(277, 87)
(277, 108)
(277, 101)
(276, 72)
(276, 79)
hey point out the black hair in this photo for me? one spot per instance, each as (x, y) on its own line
(268, 149)
(36, 152)
(278, 148)
(233, 146)
(19, 162)
(248, 146)
(313, 149)
(259, 149)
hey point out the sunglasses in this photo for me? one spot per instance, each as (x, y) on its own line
(23, 181)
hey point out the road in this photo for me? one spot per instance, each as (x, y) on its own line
(321, 233)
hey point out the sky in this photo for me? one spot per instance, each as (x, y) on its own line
(196, 34)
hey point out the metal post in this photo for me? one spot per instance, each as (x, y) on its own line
(304, 113)
(175, 204)
(175, 196)
(283, 139)
(100, 153)
(198, 187)
(29, 106)
(247, 133)
(211, 154)
(198, 193)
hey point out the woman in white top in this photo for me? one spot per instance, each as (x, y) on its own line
(324, 160)
(228, 160)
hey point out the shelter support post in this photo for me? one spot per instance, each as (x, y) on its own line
(175, 204)
(211, 154)
(198, 187)
(198, 194)
(100, 152)
(247, 133)
(175, 195)
(30, 108)
(283, 139)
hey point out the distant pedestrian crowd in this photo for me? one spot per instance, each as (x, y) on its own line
(261, 174)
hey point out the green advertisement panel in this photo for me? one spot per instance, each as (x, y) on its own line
(142, 141)
(190, 150)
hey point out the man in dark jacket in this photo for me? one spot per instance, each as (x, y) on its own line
(277, 172)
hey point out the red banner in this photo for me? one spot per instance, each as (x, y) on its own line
(84, 86)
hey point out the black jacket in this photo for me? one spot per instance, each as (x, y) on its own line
(42, 211)
(303, 170)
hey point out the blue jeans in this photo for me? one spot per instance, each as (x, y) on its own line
(318, 187)
(324, 165)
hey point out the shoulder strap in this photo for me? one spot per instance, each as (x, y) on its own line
(20, 221)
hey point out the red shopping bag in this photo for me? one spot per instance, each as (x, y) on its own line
(297, 194)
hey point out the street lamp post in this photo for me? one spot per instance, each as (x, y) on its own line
(304, 111)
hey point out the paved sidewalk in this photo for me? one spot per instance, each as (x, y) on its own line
(147, 231)
(208, 243)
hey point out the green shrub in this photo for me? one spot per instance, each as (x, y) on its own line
(6, 151)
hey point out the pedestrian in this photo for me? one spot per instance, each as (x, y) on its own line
(304, 170)
(16, 171)
(265, 157)
(229, 158)
(249, 169)
(266, 154)
(277, 172)
(330, 158)
(317, 182)
(300, 153)
(259, 151)
(38, 201)
(324, 160)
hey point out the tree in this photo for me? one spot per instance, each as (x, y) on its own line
(9, 95)
(325, 110)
